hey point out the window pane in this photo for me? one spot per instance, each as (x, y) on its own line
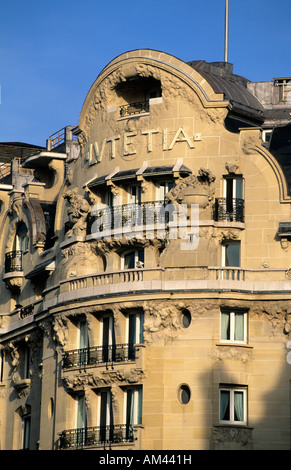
(238, 406)
(224, 405)
(225, 325)
(239, 327)
(141, 256)
(129, 261)
(232, 254)
(239, 188)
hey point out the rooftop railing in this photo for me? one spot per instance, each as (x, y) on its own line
(60, 137)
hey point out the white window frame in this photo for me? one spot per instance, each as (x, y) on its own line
(134, 198)
(232, 390)
(163, 189)
(234, 186)
(232, 314)
(136, 259)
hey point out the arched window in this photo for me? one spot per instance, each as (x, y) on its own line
(21, 238)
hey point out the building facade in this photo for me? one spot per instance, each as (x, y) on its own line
(146, 267)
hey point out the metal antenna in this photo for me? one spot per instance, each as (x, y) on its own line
(226, 33)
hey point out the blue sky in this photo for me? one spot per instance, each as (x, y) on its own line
(52, 51)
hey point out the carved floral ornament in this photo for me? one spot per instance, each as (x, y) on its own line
(175, 83)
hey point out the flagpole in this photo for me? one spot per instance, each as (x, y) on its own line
(226, 33)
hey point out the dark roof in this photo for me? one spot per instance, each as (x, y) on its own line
(234, 88)
(11, 150)
(127, 175)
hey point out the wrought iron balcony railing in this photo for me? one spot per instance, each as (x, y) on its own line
(98, 355)
(96, 436)
(128, 215)
(134, 108)
(13, 261)
(231, 210)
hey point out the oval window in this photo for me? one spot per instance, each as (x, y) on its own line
(186, 318)
(184, 394)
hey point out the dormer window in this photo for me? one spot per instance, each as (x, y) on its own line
(136, 94)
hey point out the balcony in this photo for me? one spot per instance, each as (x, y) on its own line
(134, 108)
(98, 355)
(126, 216)
(228, 210)
(96, 436)
(13, 261)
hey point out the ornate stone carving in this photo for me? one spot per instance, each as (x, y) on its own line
(231, 167)
(194, 190)
(60, 330)
(81, 381)
(77, 211)
(232, 438)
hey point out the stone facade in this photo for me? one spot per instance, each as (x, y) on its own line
(146, 286)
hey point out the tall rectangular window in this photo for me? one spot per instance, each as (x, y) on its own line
(1, 364)
(135, 323)
(134, 406)
(108, 339)
(26, 419)
(105, 416)
(233, 405)
(231, 260)
(231, 254)
(83, 342)
(233, 326)
(233, 195)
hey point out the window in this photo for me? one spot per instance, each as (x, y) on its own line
(26, 368)
(135, 323)
(134, 194)
(133, 398)
(133, 259)
(233, 326)
(163, 188)
(26, 419)
(184, 394)
(81, 420)
(185, 318)
(108, 339)
(105, 416)
(21, 239)
(83, 342)
(1, 364)
(231, 254)
(233, 196)
(233, 405)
